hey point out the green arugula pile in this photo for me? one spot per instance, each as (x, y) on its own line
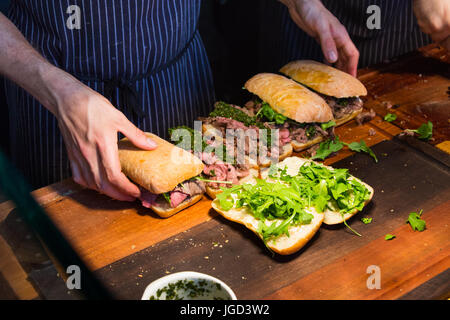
(330, 146)
(271, 115)
(289, 197)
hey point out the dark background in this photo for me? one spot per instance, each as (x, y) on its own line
(229, 29)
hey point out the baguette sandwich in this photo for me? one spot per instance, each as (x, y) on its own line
(167, 176)
(340, 90)
(302, 116)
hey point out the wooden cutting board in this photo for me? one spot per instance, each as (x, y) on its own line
(128, 246)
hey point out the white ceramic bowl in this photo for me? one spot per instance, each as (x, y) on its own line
(205, 287)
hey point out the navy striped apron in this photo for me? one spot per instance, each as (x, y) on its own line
(284, 41)
(147, 57)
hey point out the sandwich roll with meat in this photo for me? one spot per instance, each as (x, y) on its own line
(220, 168)
(337, 194)
(167, 175)
(227, 118)
(302, 116)
(340, 90)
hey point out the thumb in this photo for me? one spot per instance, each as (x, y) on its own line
(136, 136)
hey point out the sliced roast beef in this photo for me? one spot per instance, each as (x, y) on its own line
(365, 116)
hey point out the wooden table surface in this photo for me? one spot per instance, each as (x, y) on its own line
(128, 246)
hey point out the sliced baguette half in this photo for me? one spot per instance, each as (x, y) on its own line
(254, 173)
(283, 245)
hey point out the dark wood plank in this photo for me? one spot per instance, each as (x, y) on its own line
(434, 289)
(240, 259)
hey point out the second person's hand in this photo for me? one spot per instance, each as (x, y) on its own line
(313, 18)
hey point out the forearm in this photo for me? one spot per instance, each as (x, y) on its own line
(25, 66)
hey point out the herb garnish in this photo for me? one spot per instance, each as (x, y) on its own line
(289, 197)
(329, 146)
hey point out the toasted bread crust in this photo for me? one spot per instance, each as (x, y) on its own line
(324, 79)
(165, 211)
(290, 98)
(159, 170)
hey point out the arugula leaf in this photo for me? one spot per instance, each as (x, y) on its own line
(389, 237)
(362, 147)
(328, 147)
(166, 196)
(328, 124)
(425, 131)
(267, 112)
(390, 117)
(416, 222)
(366, 220)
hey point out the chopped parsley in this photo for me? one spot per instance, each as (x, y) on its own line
(288, 198)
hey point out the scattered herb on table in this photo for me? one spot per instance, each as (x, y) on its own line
(389, 236)
(425, 131)
(390, 117)
(416, 221)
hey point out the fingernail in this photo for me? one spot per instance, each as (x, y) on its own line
(332, 57)
(151, 143)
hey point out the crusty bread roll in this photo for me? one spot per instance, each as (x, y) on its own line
(284, 245)
(289, 98)
(159, 170)
(293, 164)
(324, 79)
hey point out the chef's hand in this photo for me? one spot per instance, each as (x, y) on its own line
(313, 18)
(90, 125)
(433, 17)
(88, 122)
